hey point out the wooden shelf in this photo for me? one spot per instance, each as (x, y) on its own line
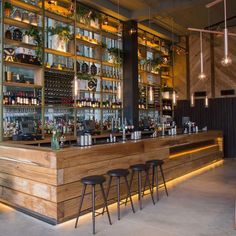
(58, 53)
(88, 28)
(19, 24)
(164, 65)
(148, 72)
(19, 44)
(55, 69)
(23, 85)
(112, 93)
(88, 59)
(106, 63)
(22, 65)
(111, 79)
(88, 43)
(20, 106)
(55, 106)
(57, 17)
(26, 6)
(166, 77)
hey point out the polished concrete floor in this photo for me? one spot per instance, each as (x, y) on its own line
(201, 205)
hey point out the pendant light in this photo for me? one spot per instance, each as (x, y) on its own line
(151, 95)
(226, 60)
(206, 102)
(174, 95)
(174, 98)
(192, 101)
(202, 75)
(75, 87)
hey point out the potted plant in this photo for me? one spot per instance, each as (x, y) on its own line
(7, 9)
(33, 34)
(87, 16)
(61, 36)
(116, 55)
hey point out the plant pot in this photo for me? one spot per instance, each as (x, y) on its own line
(28, 39)
(58, 43)
(7, 12)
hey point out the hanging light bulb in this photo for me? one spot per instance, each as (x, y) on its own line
(106, 22)
(192, 101)
(75, 87)
(119, 91)
(202, 75)
(206, 102)
(174, 98)
(151, 95)
(226, 60)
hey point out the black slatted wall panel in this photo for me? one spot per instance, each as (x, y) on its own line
(220, 115)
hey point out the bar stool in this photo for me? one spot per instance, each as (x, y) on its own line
(93, 181)
(118, 174)
(154, 164)
(140, 168)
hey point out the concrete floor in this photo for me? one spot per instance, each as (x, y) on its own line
(202, 205)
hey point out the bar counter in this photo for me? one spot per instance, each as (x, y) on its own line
(45, 183)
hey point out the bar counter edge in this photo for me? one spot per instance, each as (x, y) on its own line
(46, 184)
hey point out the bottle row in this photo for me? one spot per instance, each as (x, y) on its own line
(94, 103)
(21, 98)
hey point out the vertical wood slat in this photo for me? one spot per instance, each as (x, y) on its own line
(212, 51)
(219, 116)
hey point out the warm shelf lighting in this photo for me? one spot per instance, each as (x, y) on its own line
(75, 87)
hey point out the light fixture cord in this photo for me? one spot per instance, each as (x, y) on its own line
(201, 52)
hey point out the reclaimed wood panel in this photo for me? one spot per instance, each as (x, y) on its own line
(54, 193)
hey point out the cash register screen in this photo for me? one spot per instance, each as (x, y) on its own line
(27, 127)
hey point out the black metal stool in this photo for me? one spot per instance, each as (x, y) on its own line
(93, 181)
(140, 168)
(154, 164)
(119, 173)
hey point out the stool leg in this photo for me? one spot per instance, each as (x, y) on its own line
(128, 191)
(118, 197)
(163, 177)
(150, 187)
(130, 186)
(81, 203)
(145, 184)
(157, 192)
(93, 207)
(140, 189)
(105, 203)
(108, 190)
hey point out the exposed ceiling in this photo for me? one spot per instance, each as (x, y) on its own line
(168, 16)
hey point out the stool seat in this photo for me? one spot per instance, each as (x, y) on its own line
(138, 167)
(155, 162)
(118, 172)
(93, 179)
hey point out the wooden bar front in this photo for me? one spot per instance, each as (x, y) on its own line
(46, 183)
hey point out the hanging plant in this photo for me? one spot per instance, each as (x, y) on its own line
(63, 32)
(117, 54)
(37, 37)
(85, 14)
